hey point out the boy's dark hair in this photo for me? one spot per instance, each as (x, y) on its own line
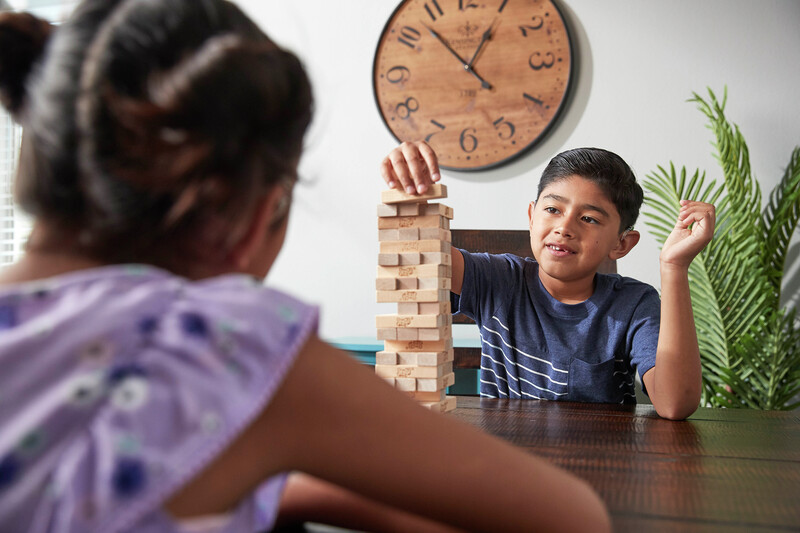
(607, 170)
(151, 125)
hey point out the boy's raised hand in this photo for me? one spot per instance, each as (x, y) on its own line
(692, 232)
(412, 167)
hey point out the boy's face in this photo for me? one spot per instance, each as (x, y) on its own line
(574, 227)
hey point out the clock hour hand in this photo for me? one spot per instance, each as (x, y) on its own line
(485, 37)
(467, 67)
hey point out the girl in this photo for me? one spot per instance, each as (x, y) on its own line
(149, 381)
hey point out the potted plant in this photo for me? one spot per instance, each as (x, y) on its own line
(749, 337)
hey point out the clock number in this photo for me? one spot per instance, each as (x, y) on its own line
(538, 22)
(405, 109)
(468, 141)
(398, 74)
(409, 36)
(537, 62)
(533, 99)
(430, 11)
(469, 4)
(499, 123)
(502, 6)
(440, 126)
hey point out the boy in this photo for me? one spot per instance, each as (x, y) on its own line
(555, 329)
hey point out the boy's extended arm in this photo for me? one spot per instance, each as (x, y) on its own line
(674, 383)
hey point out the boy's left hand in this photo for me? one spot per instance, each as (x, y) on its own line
(685, 242)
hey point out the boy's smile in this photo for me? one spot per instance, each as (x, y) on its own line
(574, 227)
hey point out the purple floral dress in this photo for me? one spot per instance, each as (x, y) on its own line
(119, 384)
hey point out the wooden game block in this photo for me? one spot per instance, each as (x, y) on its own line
(436, 258)
(433, 283)
(409, 210)
(418, 346)
(432, 334)
(423, 308)
(407, 334)
(387, 334)
(407, 284)
(386, 284)
(427, 221)
(443, 406)
(436, 396)
(424, 358)
(388, 210)
(396, 196)
(415, 271)
(414, 371)
(430, 295)
(413, 321)
(414, 246)
(436, 209)
(389, 234)
(434, 384)
(389, 259)
(438, 234)
(405, 384)
(412, 234)
(386, 358)
(400, 259)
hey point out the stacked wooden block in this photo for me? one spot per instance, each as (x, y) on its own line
(415, 271)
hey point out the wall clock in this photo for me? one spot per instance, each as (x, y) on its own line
(482, 81)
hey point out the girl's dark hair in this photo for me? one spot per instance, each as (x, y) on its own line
(152, 124)
(606, 169)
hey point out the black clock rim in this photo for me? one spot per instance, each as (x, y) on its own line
(568, 94)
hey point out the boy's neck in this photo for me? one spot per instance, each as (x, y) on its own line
(568, 292)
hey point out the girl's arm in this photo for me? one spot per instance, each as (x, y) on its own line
(334, 419)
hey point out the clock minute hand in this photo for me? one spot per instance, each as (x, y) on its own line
(485, 37)
(467, 67)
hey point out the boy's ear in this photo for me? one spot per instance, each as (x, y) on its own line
(531, 207)
(627, 241)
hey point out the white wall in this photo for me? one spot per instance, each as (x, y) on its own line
(638, 63)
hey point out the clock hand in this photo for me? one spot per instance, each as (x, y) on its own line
(485, 37)
(467, 67)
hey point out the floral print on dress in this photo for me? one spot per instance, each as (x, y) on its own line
(8, 317)
(129, 387)
(129, 477)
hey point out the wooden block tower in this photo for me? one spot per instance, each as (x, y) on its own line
(415, 271)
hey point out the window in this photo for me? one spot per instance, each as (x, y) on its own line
(14, 224)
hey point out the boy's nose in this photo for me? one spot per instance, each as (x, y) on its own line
(564, 230)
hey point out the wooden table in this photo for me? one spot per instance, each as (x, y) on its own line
(721, 470)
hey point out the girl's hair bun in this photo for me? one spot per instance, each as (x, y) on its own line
(23, 38)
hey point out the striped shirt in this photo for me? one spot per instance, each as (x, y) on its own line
(535, 347)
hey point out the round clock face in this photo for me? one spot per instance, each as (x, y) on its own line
(480, 80)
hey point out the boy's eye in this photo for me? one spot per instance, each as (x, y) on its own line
(590, 220)
(551, 210)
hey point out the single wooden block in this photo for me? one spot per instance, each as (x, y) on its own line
(438, 234)
(409, 258)
(415, 246)
(432, 283)
(418, 346)
(406, 284)
(424, 358)
(405, 384)
(436, 396)
(414, 371)
(388, 210)
(415, 271)
(387, 334)
(389, 259)
(412, 234)
(430, 295)
(442, 406)
(423, 308)
(389, 234)
(386, 284)
(436, 258)
(396, 196)
(413, 321)
(407, 334)
(386, 358)
(432, 334)
(409, 210)
(436, 209)
(428, 221)
(435, 384)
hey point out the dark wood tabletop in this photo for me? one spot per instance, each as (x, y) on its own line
(720, 470)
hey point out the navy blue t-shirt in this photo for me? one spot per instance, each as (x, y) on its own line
(534, 346)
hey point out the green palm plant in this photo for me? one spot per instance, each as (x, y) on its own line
(749, 342)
